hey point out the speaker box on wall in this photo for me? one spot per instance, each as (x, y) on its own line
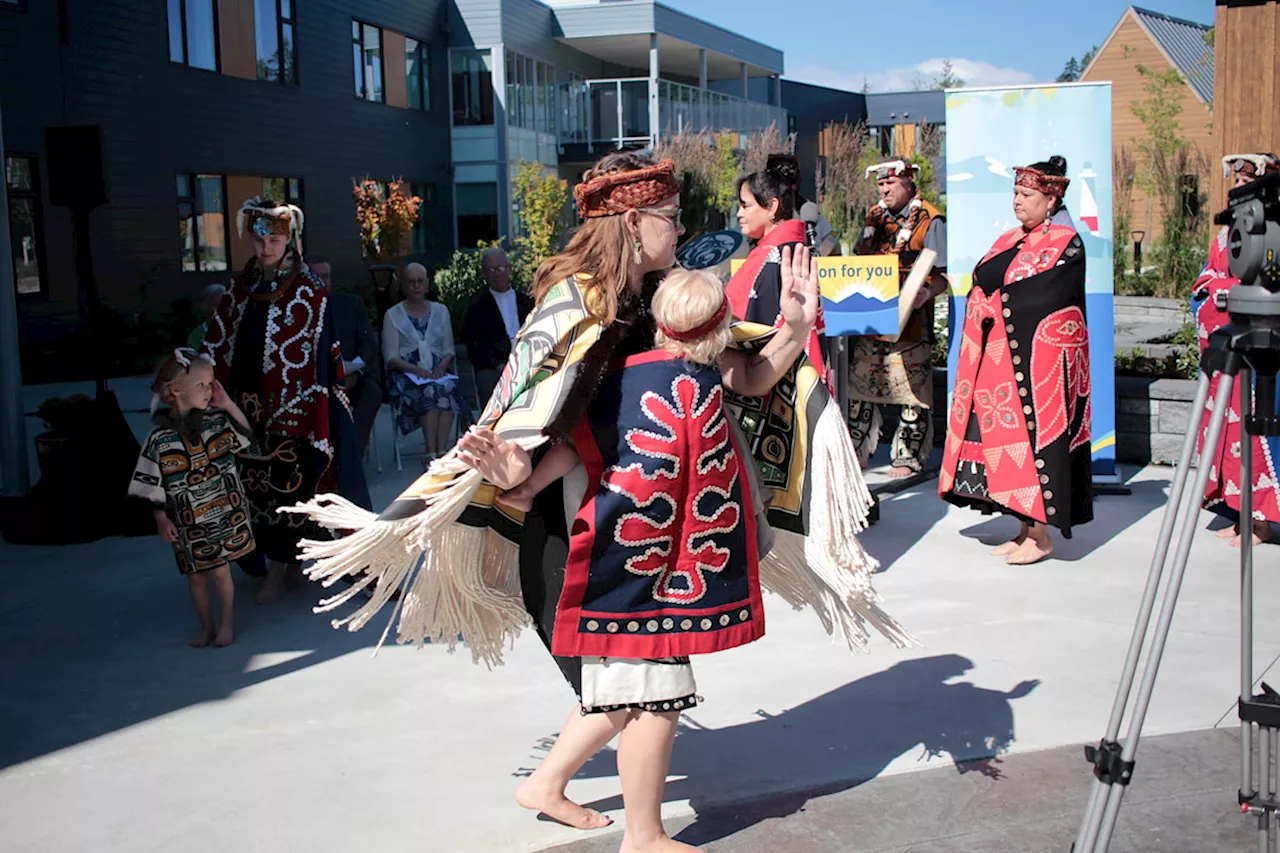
(73, 156)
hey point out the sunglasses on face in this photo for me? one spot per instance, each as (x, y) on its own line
(672, 214)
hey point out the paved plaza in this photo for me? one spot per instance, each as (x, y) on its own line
(118, 738)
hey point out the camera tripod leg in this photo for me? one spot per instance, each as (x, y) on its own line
(1098, 793)
(1113, 764)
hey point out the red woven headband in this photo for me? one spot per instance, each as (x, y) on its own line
(698, 331)
(615, 193)
(1054, 185)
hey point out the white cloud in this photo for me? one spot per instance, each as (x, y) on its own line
(972, 72)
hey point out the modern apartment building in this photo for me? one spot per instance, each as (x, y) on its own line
(203, 103)
(564, 81)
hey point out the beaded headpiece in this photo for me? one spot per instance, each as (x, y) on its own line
(614, 193)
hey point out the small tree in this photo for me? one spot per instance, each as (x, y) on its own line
(386, 216)
(1168, 170)
(1123, 175)
(541, 199)
(1070, 72)
(724, 174)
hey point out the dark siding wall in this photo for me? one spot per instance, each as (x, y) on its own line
(811, 108)
(31, 99)
(159, 119)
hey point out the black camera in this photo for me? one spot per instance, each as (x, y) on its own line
(1253, 244)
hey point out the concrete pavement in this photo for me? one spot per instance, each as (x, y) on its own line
(117, 737)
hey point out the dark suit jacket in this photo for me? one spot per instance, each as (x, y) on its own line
(484, 333)
(355, 334)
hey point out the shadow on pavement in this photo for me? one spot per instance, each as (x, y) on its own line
(97, 643)
(1112, 515)
(833, 743)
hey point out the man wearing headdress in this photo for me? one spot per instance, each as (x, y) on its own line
(274, 349)
(1208, 297)
(886, 372)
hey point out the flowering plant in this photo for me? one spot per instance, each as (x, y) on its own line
(386, 214)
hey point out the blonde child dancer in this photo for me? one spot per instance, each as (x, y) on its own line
(187, 472)
(692, 315)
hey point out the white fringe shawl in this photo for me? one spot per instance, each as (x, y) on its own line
(460, 584)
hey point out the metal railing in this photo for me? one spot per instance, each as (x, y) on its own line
(615, 112)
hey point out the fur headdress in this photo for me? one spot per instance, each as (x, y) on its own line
(264, 216)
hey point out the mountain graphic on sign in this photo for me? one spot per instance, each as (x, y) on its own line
(872, 296)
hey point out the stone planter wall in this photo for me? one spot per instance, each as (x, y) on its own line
(1152, 416)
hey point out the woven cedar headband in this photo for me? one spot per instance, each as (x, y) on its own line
(615, 193)
(1054, 185)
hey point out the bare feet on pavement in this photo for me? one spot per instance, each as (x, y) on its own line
(1009, 547)
(1030, 551)
(559, 808)
(901, 472)
(203, 638)
(225, 636)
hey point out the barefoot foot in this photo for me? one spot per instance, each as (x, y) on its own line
(559, 808)
(1228, 532)
(1008, 548)
(1030, 551)
(225, 637)
(203, 638)
(900, 472)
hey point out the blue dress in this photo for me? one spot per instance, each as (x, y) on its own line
(411, 401)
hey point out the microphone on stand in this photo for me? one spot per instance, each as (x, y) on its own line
(809, 215)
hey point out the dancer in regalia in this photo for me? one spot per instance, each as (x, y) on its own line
(899, 372)
(768, 203)
(1018, 432)
(657, 546)
(274, 349)
(1222, 495)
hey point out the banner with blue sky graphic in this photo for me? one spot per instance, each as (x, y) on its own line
(992, 130)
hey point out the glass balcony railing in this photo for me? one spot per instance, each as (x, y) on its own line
(614, 113)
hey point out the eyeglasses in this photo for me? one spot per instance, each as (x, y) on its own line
(672, 214)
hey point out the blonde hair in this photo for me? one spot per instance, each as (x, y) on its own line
(685, 300)
(601, 249)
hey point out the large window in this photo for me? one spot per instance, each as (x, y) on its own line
(417, 70)
(472, 87)
(20, 5)
(273, 31)
(22, 177)
(531, 96)
(366, 51)
(424, 230)
(477, 214)
(193, 33)
(283, 190)
(202, 222)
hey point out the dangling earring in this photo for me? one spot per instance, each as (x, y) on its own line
(636, 252)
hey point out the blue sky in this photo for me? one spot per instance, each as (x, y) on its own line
(838, 42)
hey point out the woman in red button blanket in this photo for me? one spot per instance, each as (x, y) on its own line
(1222, 495)
(1018, 432)
(656, 547)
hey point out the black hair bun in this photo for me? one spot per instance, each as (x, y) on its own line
(1057, 166)
(784, 168)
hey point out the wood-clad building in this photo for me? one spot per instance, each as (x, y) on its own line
(1247, 82)
(1158, 42)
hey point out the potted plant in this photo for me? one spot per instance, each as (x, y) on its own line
(62, 418)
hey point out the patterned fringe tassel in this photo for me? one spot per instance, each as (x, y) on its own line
(828, 570)
(456, 583)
